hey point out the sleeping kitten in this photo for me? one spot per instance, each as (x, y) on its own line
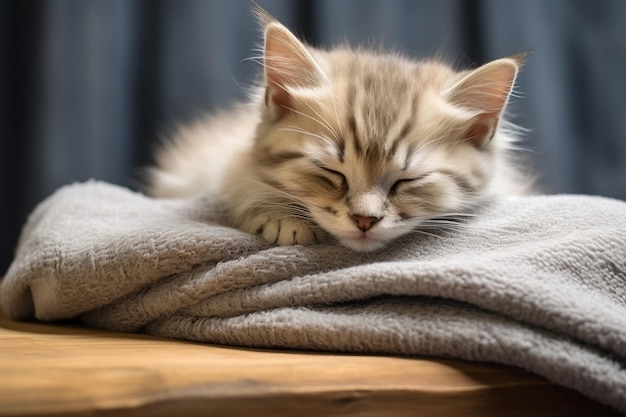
(362, 145)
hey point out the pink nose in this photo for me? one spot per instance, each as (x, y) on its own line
(364, 223)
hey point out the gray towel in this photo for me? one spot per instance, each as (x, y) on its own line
(534, 282)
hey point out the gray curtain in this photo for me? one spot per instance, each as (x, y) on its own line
(87, 86)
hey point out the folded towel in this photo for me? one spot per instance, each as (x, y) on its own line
(535, 282)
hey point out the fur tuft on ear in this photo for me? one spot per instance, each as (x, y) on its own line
(485, 92)
(288, 65)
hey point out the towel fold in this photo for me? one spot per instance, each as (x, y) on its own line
(535, 282)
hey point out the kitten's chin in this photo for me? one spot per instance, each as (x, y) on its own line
(352, 238)
(363, 243)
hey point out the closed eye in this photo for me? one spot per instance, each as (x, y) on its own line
(336, 178)
(335, 173)
(407, 181)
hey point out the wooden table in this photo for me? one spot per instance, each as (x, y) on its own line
(67, 370)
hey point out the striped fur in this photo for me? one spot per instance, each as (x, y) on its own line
(360, 145)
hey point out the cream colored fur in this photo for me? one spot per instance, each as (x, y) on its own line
(360, 145)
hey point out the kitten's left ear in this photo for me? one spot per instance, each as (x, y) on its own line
(485, 92)
(288, 66)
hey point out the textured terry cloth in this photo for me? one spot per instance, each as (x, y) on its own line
(534, 282)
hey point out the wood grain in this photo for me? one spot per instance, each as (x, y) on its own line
(75, 371)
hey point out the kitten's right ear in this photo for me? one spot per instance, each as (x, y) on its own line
(288, 66)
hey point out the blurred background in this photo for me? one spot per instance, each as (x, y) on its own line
(88, 86)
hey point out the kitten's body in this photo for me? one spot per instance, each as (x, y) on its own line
(363, 145)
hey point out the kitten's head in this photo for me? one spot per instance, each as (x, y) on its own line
(373, 145)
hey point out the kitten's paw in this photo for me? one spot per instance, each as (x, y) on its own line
(286, 231)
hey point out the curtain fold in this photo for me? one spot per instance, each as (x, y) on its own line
(87, 87)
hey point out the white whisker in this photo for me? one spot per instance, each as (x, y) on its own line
(306, 132)
(323, 124)
(422, 232)
(328, 126)
(283, 194)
